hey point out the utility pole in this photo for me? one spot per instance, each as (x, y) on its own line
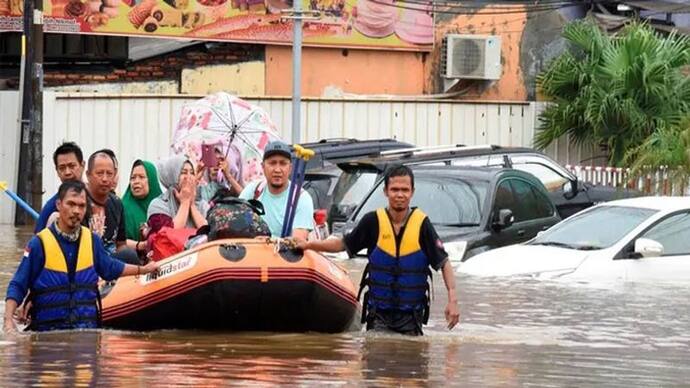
(29, 179)
(298, 16)
(297, 71)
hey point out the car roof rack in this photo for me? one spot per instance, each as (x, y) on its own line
(418, 155)
(330, 141)
(420, 149)
(443, 151)
(439, 149)
(342, 149)
(342, 141)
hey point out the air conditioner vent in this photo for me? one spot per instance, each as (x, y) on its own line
(471, 57)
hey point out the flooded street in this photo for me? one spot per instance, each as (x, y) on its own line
(513, 332)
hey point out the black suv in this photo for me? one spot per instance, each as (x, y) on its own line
(322, 174)
(569, 194)
(473, 209)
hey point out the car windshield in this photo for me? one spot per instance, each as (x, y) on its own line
(353, 186)
(550, 178)
(318, 188)
(447, 201)
(597, 228)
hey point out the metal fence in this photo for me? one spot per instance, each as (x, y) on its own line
(659, 182)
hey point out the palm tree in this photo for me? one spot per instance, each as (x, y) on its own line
(617, 91)
(667, 149)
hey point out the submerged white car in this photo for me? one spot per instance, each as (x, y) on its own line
(636, 239)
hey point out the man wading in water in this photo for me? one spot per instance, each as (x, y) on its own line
(401, 245)
(61, 266)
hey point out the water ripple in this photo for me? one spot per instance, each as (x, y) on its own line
(513, 332)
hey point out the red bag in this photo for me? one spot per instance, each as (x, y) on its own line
(169, 241)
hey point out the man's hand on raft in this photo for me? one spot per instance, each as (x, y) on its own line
(151, 266)
(299, 243)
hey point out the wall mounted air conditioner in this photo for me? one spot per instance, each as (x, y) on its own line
(471, 57)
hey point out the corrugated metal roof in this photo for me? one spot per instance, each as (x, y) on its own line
(142, 48)
(661, 6)
(614, 22)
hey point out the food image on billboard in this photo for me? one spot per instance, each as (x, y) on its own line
(383, 24)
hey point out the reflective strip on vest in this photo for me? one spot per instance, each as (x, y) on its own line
(60, 302)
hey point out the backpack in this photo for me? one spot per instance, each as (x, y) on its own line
(231, 217)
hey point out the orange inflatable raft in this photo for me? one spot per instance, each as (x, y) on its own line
(235, 284)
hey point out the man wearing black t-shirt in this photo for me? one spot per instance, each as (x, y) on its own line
(401, 245)
(105, 216)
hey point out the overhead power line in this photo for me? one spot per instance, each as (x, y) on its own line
(416, 5)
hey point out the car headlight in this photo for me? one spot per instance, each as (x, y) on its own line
(456, 250)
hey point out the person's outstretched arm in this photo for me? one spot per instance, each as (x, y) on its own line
(131, 270)
(109, 268)
(332, 245)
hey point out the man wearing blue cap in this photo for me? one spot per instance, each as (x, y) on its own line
(273, 192)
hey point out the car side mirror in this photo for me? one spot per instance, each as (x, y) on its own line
(570, 189)
(505, 219)
(648, 247)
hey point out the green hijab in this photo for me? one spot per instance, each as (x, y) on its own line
(135, 208)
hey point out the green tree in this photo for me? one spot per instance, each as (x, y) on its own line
(666, 147)
(627, 91)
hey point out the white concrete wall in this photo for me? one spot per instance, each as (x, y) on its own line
(9, 150)
(140, 126)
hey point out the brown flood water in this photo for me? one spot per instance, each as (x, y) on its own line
(513, 332)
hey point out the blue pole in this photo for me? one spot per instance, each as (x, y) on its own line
(285, 232)
(15, 197)
(302, 155)
(295, 200)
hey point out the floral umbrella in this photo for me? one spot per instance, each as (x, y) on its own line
(241, 130)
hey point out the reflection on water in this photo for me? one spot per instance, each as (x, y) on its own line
(177, 358)
(514, 332)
